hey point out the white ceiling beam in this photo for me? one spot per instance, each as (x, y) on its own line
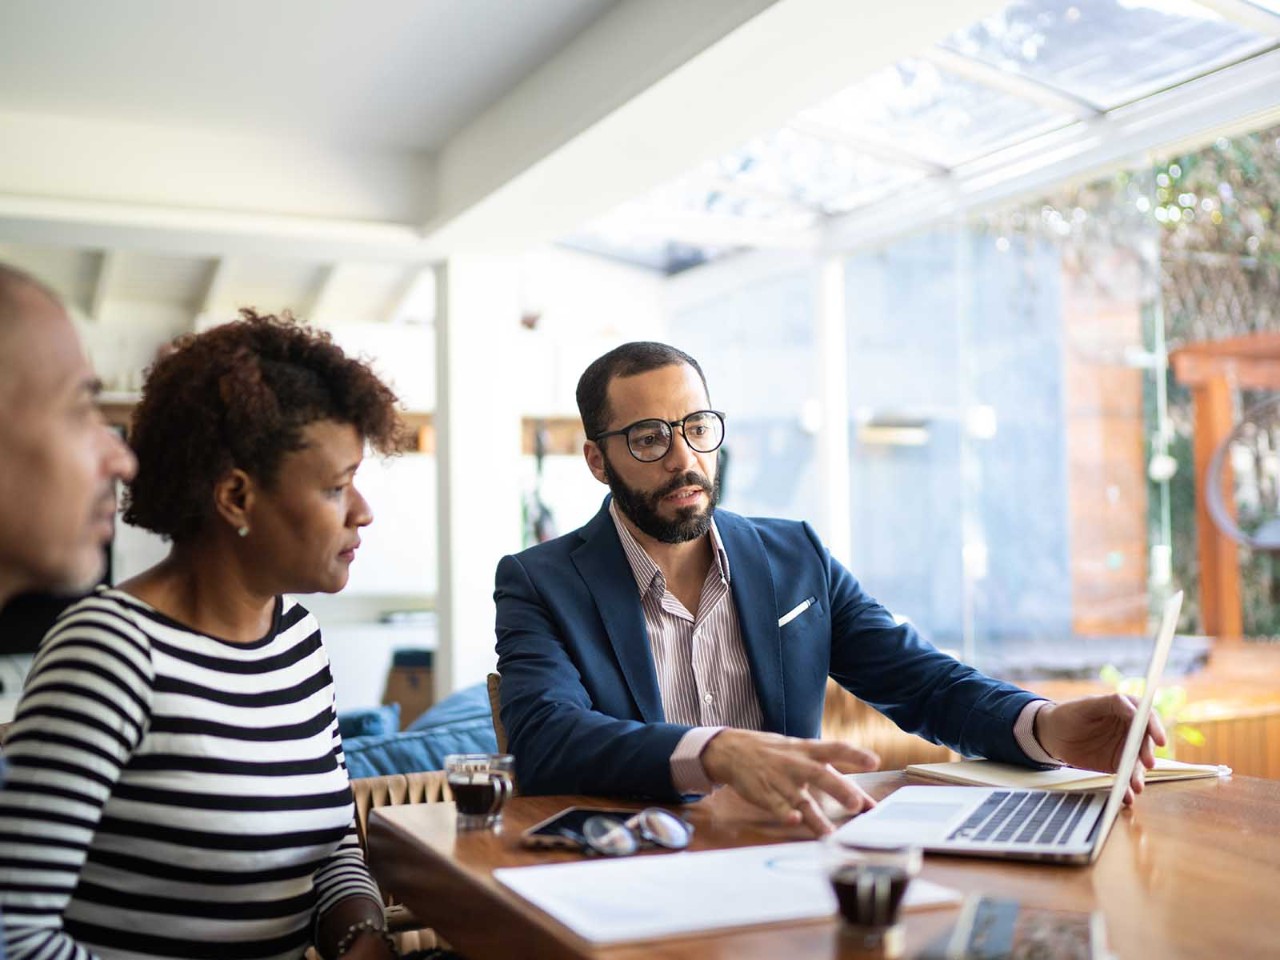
(1228, 102)
(108, 261)
(1014, 84)
(651, 89)
(1245, 14)
(171, 167)
(312, 311)
(197, 232)
(214, 285)
(156, 189)
(397, 304)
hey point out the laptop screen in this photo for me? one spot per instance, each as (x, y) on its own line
(1138, 729)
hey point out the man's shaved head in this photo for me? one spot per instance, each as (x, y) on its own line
(14, 284)
(17, 290)
(58, 461)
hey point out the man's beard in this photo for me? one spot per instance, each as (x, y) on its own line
(642, 508)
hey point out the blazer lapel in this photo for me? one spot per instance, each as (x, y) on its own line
(603, 566)
(751, 582)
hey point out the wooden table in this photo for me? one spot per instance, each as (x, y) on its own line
(1192, 871)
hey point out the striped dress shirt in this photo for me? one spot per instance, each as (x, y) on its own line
(703, 674)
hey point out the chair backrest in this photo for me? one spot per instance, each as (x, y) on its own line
(495, 707)
(399, 788)
(391, 791)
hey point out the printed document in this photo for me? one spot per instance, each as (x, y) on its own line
(668, 894)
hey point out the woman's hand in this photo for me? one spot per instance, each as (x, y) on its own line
(369, 946)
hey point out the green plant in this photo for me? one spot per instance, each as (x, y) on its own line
(1169, 704)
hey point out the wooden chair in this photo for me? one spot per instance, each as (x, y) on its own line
(495, 705)
(395, 790)
(845, 717)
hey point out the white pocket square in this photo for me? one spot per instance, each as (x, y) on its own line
(795, 612)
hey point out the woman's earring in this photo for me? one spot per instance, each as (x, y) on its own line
(244, 530)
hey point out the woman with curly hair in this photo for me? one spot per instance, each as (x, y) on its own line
(177, 787)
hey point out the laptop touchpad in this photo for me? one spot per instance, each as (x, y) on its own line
(915, 811)
(905, 821)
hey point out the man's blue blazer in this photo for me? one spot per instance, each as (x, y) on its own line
(580, 698)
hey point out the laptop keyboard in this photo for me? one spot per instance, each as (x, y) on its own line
(1024, 816)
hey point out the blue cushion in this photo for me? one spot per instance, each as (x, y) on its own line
(469, 703)
(369, 722)
(460, 723)
(416, 750)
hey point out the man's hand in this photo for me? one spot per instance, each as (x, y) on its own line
(1090, 732)
(780, 774)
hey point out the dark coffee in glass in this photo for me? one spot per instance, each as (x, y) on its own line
(870, 896)
(870, 883)
(481, 784)
(477, 798)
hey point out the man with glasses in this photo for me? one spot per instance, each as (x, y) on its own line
(667, 648)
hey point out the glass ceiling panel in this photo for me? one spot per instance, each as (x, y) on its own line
(819, 174)
(701, 196)
(667, 256)
(1271, 5)
(1108, 52)
(653, 231)
(932, 114)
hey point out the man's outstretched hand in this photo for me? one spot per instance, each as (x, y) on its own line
(786, 775)
(1089, 732)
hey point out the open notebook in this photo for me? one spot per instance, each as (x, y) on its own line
(989, 773)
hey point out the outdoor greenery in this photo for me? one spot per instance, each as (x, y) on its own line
(1196, 241)
(1220, 277)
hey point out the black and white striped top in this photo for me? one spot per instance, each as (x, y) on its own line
(171, 794)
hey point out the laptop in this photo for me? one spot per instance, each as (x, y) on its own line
(1046, 825)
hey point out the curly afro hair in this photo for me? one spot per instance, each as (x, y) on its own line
(239, 396)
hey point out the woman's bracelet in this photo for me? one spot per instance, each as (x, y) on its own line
(367, 925)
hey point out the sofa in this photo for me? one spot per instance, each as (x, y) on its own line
(375, 746)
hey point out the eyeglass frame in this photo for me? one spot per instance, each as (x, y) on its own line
(670, 423)
(635, 828)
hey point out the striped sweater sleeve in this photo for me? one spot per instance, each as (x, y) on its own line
(344, 873)
(85, 709)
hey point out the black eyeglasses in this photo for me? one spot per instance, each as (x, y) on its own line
(650, 440)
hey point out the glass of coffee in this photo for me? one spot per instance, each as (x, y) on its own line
(870, 882)
(480, 784)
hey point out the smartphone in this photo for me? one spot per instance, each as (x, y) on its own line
(565, 828)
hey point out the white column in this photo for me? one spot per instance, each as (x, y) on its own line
(833, 382)
(477, 424)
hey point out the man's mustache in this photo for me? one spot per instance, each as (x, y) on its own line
(690, 479)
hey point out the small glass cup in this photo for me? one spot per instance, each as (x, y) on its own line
(870, 882)
(481, 785)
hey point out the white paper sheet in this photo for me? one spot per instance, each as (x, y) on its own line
(640, 898)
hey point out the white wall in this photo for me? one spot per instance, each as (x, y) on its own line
(585, 306)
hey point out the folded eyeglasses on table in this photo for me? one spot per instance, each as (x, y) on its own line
(612, 837)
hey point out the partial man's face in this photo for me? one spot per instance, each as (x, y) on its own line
(673, 499)
(59, 462)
